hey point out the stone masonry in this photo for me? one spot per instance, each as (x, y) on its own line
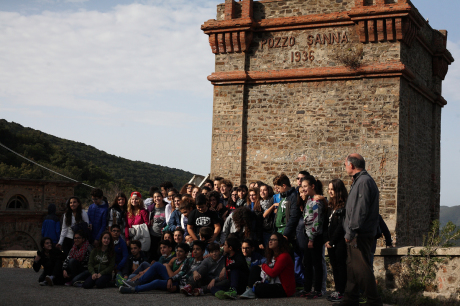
(286, 100)
(20, 229)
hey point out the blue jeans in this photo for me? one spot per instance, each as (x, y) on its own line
(141, 267)
(156, 278)
(81, 277)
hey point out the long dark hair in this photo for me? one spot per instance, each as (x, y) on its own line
(110, 247)
(242, 219)
(340, 194)
(68, 212)
(212, 194)
(115, 202)
(283, 247)
(257, 206)
(312, 181)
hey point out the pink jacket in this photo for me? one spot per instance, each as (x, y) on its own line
(142, 217)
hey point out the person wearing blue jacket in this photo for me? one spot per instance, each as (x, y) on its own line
(51, 226)
(253, 258)
(97, 215)
(174, 220)
(121, 249)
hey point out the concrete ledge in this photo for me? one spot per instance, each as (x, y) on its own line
(455, 251)
(401, 251)
(409, 250)
(18, 254)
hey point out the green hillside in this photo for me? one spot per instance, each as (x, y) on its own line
(79, 161)
(447, 214)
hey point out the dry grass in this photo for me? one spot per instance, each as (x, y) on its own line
(351, 57)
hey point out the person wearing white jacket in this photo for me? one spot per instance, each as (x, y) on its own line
(73, 214)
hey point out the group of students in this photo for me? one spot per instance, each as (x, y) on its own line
(253, 242)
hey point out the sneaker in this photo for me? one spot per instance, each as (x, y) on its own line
(68, 283)
(337, 298)
(127, 283)
(304, 293)
(43, 283)
(220, 295)
(315, 295)
(332, 295)
(363, 300)
(231, 294)
(119, 280)
(123, 289)
(49, 280)
(78, 284)
(198, 292)
(248, 294)
(187, 290)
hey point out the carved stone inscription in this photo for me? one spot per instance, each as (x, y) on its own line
(297, 49)
(278, 42)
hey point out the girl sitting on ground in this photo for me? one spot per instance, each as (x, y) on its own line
(275, 278)
(51, 259)
(101, 263)
(75, 267)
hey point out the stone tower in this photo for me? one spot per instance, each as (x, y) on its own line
(301, 84)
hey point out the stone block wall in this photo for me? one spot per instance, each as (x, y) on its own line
(285, 100)
(21, 229)
(387, 270)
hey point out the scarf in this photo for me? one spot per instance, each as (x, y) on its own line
(79, 254)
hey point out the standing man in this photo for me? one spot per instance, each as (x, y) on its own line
(360, 225)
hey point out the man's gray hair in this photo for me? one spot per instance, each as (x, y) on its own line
(358, 163)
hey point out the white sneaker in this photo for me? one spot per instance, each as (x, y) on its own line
(248, 294)
(49, 280)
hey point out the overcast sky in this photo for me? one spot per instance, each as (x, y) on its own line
(129, 77)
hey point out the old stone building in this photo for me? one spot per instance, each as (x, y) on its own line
(301, 84)
(23, 206)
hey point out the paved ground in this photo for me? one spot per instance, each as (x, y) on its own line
(20, 287)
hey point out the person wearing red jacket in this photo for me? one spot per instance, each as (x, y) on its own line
(274, 279)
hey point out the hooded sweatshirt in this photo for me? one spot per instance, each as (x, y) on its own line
(51, 226)
(97, 215)
(101, 262)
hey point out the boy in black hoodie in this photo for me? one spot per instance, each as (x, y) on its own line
(236, 272)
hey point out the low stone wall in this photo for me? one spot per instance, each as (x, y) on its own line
(17, 259)
(388, 268)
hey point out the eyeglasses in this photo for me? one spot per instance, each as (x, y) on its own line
(273, 240)
(299, 178)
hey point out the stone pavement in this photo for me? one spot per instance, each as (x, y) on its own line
(20, 287)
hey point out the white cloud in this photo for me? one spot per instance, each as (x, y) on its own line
(51, 58)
